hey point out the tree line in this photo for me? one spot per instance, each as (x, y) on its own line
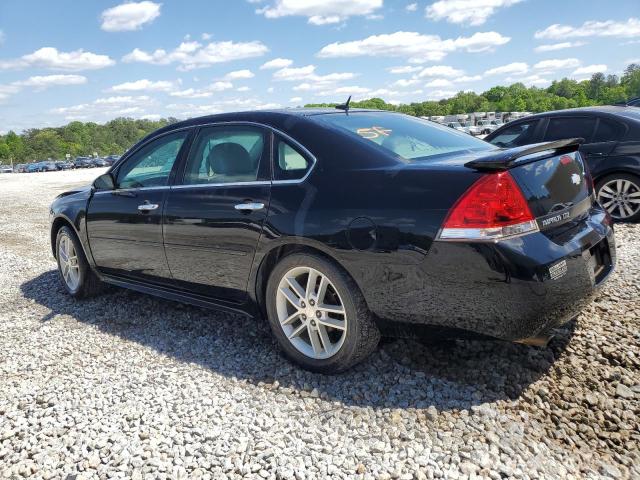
(114, 137)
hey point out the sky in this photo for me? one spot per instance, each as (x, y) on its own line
(94, 60)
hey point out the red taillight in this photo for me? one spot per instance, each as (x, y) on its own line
(492, 208)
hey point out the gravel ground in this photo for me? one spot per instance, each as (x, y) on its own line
(129, 386)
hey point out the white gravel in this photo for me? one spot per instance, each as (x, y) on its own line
(130, 386)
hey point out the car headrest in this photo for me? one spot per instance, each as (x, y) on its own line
(230, 159)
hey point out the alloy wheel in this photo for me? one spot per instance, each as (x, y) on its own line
(621, 198)
(311, 312)
(68, 258)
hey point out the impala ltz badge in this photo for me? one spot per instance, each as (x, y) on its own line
(575, 179)
(558, 270)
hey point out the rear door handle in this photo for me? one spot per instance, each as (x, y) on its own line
(147, 207)
(252, 206)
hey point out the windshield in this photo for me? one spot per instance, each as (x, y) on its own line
(408, 137)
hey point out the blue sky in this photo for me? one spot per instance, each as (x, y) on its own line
(93, 60)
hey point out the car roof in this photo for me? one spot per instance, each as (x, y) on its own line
(615, 110)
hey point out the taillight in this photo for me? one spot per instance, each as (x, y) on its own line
(491, 209)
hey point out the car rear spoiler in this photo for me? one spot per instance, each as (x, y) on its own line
(507, 158)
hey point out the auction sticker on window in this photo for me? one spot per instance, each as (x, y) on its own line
(558, 270)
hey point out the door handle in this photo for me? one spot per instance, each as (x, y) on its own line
(147, 207)
(251, 206)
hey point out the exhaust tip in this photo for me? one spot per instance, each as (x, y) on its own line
(541, 340)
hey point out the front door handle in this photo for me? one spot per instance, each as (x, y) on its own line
(147, 207)
(250, 206)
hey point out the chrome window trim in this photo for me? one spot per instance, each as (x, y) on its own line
(140, 189)
(230, 184)
(256, 182)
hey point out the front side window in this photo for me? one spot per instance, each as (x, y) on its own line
(516, 135)
(290, 164)
(151, 165)
(561, 128)
(406, 137)
(225, 154)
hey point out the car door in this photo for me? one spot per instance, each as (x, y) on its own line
(124, 225)
(214, 214)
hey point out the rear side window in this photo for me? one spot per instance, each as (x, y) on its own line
(225, 154)
(608, 131)
(290, 164)
(516, 135)
(406, 137)
(560, 128)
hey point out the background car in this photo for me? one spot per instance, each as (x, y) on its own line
(457, 126)
(111, 159)
(82, 162)
(341, 227)
(611, 149)
(48, 166)
(99, 162)
(64, 165)
(485, 127)
(34, 167)
(6, 169)
(20, 168)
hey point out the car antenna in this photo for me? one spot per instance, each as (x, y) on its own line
(345, 106)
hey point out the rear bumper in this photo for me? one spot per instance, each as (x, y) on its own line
(513, 289)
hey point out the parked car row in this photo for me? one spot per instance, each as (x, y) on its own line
(54, 165)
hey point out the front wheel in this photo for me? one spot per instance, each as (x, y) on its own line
(619, 194)
(318, 314)
(76, 274)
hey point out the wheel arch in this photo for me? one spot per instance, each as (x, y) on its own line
(280, 251)
(614, 170)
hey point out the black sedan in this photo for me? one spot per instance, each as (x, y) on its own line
(611, 149)
(340, 227)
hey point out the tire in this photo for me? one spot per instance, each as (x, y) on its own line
(85, 282)
(340, 348)
(623, 205)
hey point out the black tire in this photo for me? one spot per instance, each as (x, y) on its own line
(362, 334)
(620, 176)
(89, 284)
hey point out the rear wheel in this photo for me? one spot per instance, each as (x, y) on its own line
(619, 194)
(76, 274)
(318, 314)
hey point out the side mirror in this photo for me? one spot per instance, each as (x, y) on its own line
(104, 182)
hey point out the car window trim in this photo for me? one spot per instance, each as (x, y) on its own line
(298, 148)
(270, 129)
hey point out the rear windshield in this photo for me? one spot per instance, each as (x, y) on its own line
(408, 137)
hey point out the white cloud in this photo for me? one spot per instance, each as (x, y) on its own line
(203, 92)
(590, 69)
(191, 54)
(243, 89)
(2, 35)
(51, 58)
(239, 75)
(530, 81)
(438, 83)
(440, 71)
(107, 108)
(592, 28)
(321, 12)
(206, 36)
(8, 90)
(416, 47)
(557, 64)
(470, 12)
(295, 99)
(412, 7)
(405, 69)
(558, 46)
(467, 78)
(277, 63)
(44, 81)
(151, 116)
(294, 73)
(440, 94)
(516, 68)
(129, 16)
(405, 82)
(143, 85)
